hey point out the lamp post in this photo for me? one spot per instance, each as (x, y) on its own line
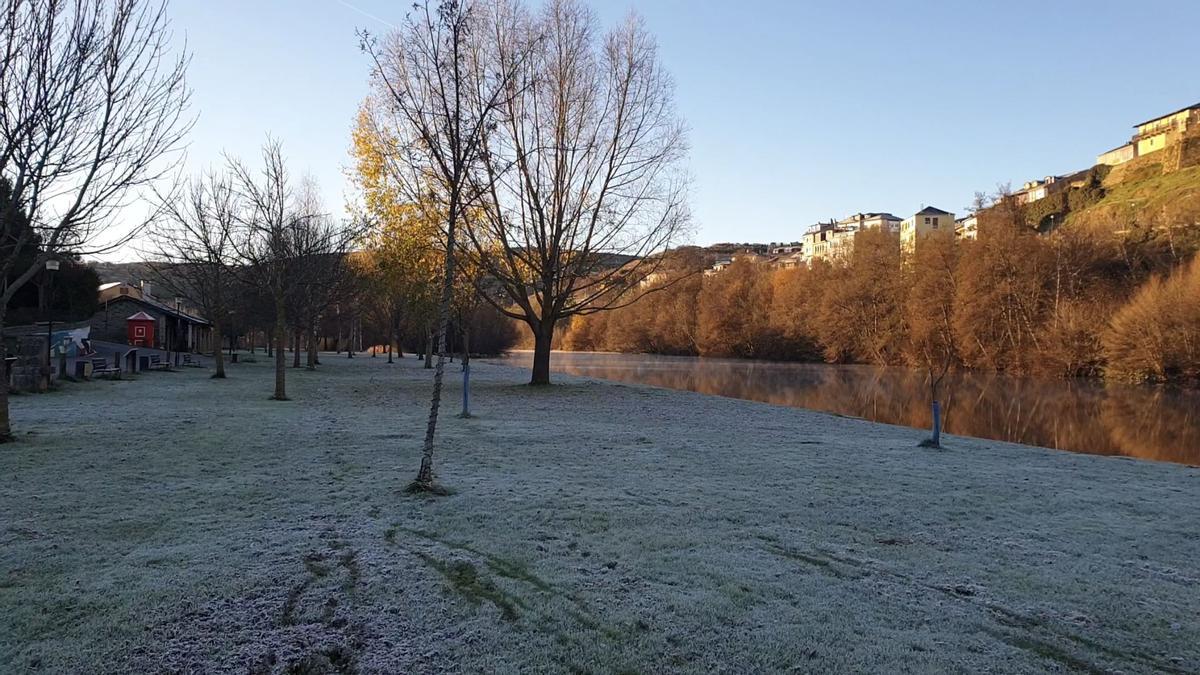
(178, 327)
(51, 268)
(232, 335)
(337, 327)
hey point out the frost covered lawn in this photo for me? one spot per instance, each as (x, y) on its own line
(175, 523)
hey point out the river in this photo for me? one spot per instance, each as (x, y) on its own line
(1147, 422)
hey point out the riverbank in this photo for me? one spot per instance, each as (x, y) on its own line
(1085, 415)
(598, 527)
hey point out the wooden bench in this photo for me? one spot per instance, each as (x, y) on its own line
(157, 363)
(103, 367)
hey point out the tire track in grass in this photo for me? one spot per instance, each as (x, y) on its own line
(470, 584)
(1020, 627)
(330, 581)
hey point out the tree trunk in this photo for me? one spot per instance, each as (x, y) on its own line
(218, 355)
(429, 347)
(312, 347)
(280, 357)
(543, 340)
(391, 336)
(425, 475)
(5, 428)
(466, 371)
(296, 347)
(936, 439)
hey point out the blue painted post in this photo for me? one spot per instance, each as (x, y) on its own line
(937, 424)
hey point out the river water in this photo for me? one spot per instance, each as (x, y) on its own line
(1147, 422)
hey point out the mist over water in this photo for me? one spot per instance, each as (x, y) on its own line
(1146, 422)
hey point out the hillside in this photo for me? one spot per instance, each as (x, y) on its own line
(1145, 194)
(1158, 190)
(132, 272)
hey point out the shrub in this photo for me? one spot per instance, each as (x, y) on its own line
(1156, 335)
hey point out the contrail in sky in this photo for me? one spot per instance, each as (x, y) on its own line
(349, 6)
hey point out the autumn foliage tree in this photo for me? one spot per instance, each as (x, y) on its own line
(403, 243)
(1156, 336)
(1013, 300)
(735, 312)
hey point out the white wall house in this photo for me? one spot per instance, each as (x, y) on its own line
(923, 223)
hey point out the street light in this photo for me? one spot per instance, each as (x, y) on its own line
(51, 266)
(232, 335)
(177, 327)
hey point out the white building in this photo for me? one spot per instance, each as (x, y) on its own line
(967, 228)
(923, 223)
(862, 221)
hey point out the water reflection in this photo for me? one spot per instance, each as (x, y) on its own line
(1079, 415)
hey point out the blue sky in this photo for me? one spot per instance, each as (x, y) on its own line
(799, 111)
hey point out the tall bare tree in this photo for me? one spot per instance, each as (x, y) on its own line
(94, 110)
(267, 215)
(584, 184)
(192, 249)
(319, 246)
(443, 87)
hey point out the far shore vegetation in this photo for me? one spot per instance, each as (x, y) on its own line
(1112, 292)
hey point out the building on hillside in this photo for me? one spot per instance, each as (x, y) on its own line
(967, 228)
(727, 248)
(782, 248)
(1154, 135)
(652, 279)
(718, 266)
(864, 221)
(1034, 190)
(835, 239)
(177, 327)
(790, 261)
(820, 242)
(1118, 155)
(923, 223)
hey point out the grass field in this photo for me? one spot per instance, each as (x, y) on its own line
(174, 523)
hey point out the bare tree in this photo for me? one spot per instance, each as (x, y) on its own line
(443, 87)
(318, 248)
(191, 245)
(584, 184)
(929, 306)
(267, 215)
(94, 109)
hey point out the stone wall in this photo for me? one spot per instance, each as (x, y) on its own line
(1188, 152)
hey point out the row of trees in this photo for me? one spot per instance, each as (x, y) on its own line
(1085, 300)
(255, 234)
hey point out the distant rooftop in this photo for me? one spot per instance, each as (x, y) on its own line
(931, 211)
(1193, 106)
(870, 216)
